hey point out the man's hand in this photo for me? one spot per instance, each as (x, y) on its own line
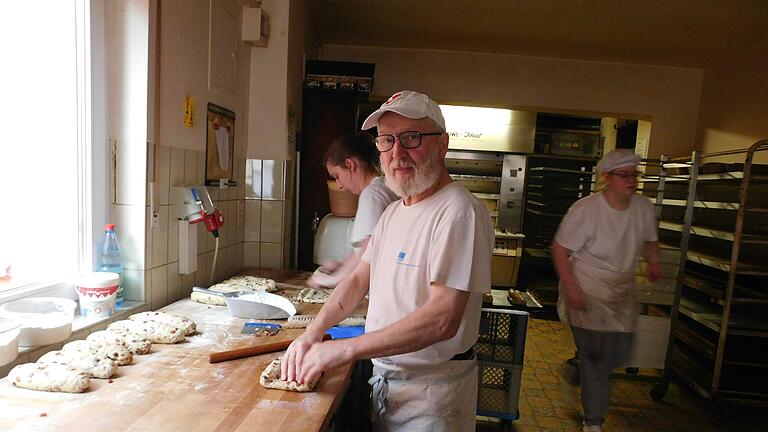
(574, 296)
(293, 359)
(653, 272)
(322, 357)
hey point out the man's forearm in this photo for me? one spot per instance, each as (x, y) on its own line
(562, 263)
(344, 299)
(437, 320)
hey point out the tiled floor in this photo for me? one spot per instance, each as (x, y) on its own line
(543, 404)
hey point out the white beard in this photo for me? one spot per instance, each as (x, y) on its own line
(424, 176)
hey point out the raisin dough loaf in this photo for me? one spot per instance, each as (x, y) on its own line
(233, 284)
(102, 349)
(156, 332)
(85, 361)
(52, 377)
(185, 324)
(270, 378)
(312, 295)
(136, 344)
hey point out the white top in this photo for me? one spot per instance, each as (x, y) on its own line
(370, 205)
(446, 239)
(605, 244)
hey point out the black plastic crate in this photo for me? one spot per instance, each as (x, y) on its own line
(500, 349)
(502, 336)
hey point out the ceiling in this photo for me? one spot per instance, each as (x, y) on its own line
(686, 33)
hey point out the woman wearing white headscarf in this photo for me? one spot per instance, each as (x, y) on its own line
(595, 252)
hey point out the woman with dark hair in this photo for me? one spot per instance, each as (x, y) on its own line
(353, 161)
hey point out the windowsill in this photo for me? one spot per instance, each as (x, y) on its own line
(82, 323)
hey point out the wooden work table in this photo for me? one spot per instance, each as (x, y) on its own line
(174, 388)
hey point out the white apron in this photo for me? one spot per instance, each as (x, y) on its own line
(425, 398)
(609, 297)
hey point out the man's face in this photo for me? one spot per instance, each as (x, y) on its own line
(622, 181)
(409, 172)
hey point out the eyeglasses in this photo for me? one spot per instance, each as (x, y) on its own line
(625, 175)
(409, 140)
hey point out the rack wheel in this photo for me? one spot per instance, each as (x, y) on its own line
(658, 391)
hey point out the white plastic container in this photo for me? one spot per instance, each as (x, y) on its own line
(98, 293)
(9, 340)
(44, 320)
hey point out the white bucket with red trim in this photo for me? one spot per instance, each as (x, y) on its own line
(97, 292)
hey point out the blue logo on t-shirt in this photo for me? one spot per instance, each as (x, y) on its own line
(400, 257)
(401, 260)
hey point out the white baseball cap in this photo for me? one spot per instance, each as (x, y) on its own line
(409, 104)
(618, 158)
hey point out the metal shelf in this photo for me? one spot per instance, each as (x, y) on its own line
(563, 170)
(703, 204)
(488, 196)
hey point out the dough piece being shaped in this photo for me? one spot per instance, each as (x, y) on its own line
(85, 361)
(156, 332)
(312, 295)
(136, 344)
(185, 324)
(233, 284)
(270, 378)
(102, 349)
(52, 377)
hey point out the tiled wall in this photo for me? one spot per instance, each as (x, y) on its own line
(257, 231)
(269, 191)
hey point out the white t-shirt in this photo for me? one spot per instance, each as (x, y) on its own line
(446, 239)
(370, 205)
(605, 244)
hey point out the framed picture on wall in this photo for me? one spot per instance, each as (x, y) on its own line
(220, 146)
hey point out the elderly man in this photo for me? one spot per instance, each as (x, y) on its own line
(595, 252)
(426, 267)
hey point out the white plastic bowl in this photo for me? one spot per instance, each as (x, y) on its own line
(9, 340)
(44, 320)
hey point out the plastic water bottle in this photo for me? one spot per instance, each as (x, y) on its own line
(111, 259)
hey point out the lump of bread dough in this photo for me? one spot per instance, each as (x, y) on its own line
(185, 324)
(156, 332)
(52, 377)
(85, 361)
(270, 378)
(103, 349)
(136, 344)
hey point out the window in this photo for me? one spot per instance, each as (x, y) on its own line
(45, 149)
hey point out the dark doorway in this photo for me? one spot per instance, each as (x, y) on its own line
(326, 115)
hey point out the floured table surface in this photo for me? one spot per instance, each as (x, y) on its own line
(174, 388)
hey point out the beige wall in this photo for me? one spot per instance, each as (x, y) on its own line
(667, 96)
(734, 103)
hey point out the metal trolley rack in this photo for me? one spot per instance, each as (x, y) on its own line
(500, 349)
(720, 343)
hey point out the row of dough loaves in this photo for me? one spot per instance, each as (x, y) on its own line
(99, 355)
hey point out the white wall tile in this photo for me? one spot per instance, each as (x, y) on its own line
(251, 254)
(271, 255)
(177, 165)
(163, 174)
(187, 282)
(173, 235)
(252, 219)
(240, 222)
(200, 179)
(135, 285)
(131, 172)
(202, 275)
(252, 178)
(272, 221)
(160, 238)
(159, 287)
(190, 168)
(272, 180)
(173, 282)
(289, 179)
(130, 226)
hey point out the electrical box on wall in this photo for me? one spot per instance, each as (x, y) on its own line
(255, 26)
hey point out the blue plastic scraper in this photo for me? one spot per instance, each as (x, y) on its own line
(260, 329)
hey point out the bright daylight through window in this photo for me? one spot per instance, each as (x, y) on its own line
(44, 152)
